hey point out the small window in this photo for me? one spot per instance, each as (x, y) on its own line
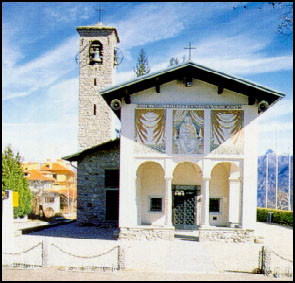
(156, 204)
(49, 199)
(112, 178)
(94, 109)
(215, 205)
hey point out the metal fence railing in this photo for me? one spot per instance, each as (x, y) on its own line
(30, 258)
(271, 262)
(104, 261)
(46, 254)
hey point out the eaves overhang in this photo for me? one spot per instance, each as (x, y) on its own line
(189, 69)
(102, 146)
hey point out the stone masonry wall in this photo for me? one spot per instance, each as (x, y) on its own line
(91, 185)
(227, 236)
(146, 233)
(95, 128)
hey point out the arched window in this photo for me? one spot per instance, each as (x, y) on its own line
(95, 53)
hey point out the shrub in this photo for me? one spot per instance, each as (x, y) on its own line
(279, 216)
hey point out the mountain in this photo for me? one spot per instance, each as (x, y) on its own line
(283, 179)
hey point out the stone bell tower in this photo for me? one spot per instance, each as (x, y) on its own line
(97, 66)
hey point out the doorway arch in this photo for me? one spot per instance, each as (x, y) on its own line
(186, 199)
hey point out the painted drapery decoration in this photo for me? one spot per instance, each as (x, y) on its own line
(227, 131)
(150, 128)
(188, 131)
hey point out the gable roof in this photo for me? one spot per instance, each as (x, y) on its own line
(56, 168)
(36, 175)
(102, 146)
(191, 70)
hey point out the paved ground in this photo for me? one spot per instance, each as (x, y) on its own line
(244, 257)
(182, 259)
(53, 274)
(189, 256)
(278, 237)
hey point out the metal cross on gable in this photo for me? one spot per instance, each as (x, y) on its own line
(190, 50)
(99, 10)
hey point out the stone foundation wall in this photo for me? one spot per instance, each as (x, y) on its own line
(147, 233)
(228, 236)
(91, 197)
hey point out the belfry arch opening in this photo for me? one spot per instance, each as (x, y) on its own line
(95, 53)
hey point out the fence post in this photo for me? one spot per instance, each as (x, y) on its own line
(121, 258)
(46, 246)
(265, 260)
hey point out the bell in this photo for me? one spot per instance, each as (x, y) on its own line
(96, 58)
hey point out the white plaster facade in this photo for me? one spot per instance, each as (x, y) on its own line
(144, 174)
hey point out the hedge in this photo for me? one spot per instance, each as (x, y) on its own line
(279, 216)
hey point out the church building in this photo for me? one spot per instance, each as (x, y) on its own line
(186, 157)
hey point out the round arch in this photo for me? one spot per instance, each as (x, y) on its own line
(224, 198)
(147, 164)
(232, 168)
(187, 173)
(150, 193)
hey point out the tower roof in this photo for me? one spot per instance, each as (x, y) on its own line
(98, 27)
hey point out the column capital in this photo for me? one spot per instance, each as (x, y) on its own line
(235, 180)
(168, 178)
(206, 179)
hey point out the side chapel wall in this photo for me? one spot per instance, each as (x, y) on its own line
(91, 185)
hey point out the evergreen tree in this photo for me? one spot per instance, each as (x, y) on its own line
(13, 179)
(173, 61)
(142, 66)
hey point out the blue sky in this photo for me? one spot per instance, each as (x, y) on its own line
(40, 75)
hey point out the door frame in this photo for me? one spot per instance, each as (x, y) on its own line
(185, 188)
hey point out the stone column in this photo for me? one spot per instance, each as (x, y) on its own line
(205, 203)
(234, 206)
(168, 201)
(133, 203)
(138, 199)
